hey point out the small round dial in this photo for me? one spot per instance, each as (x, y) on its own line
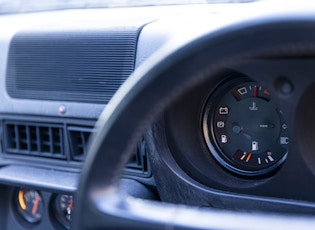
(245, 130)
(30, 205)
(63, 207)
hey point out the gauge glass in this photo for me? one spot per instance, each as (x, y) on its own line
(63, 209)
(30, 205)
(245, 130)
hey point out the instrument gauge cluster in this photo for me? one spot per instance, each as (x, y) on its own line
(244, 129)
(31, 208)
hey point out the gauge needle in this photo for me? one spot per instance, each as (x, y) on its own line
(237, 129)
(71, 204)
(248, 157)
(35, 206)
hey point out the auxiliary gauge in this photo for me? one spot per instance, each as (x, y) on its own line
(245, 130)
(30, 205)
(63, 206)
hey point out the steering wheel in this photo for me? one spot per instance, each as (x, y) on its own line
(153, 87)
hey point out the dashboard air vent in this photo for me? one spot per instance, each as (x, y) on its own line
(79, 136)
(34, 139)
(78, 142)
(63, 141)
(139, 163)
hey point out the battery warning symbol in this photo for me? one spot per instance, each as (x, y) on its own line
(223, 110)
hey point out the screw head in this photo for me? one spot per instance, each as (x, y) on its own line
(62, 109)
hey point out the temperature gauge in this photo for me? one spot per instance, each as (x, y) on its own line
(30, 205)
(63, 207)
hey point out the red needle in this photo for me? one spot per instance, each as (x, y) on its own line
(35, 206)
(255, 91)
(248, 157)
(71, 203)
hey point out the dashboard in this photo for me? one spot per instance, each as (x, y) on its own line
(238, 137)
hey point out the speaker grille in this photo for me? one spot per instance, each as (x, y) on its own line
(70, 66)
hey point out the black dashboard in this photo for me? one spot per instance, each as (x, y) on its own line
(238, 137)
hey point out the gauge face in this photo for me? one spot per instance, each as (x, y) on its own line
(245, 130)
(30, 205)
(63, 209)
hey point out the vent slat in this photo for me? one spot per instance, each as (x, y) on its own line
(38, 138)
(28, 138)
(16, 134)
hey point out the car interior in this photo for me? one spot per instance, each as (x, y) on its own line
(171, 116)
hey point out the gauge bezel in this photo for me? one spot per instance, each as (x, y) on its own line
(208, 114)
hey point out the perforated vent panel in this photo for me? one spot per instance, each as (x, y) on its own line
(70, 66)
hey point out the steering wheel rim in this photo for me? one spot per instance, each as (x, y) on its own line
(100, 205)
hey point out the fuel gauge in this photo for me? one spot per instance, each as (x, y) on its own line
(30, 205)
(63, 208)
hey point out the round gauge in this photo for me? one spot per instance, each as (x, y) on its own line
(244, 129)
(63, 209)
(30, 205)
